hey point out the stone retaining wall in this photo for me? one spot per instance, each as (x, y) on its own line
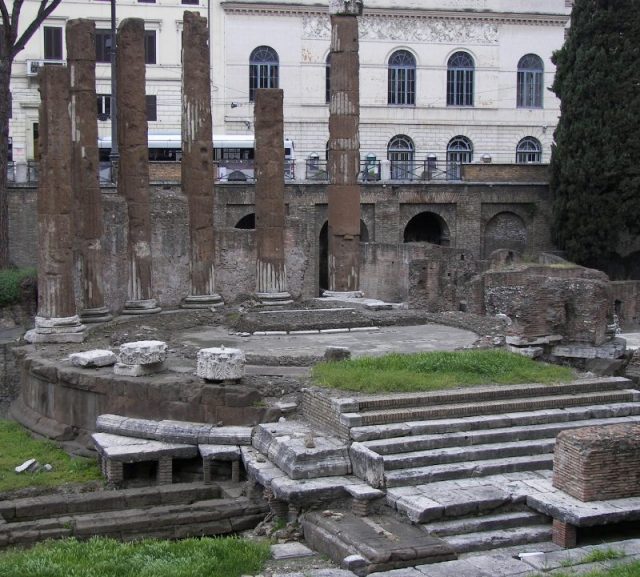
(598, 463)
(63, 402)
(9, 378)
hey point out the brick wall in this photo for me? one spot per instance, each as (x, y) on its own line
(165, 172)
(318, 410)
(598, 463)
(505, 172)
(625, 302)
(386, 211)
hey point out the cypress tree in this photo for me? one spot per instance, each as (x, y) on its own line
(595, 164)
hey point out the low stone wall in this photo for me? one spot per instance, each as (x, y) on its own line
(319, 411)
(63, 402)
(598, 463)
(9, 378)
(491, 172)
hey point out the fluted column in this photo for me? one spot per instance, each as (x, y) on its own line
(197, 160)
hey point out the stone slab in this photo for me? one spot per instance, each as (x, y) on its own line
(133, 450)
(291, 550)
(219, 452)
(124, 370)
(93, 358)
(561, 506)
(142, 353)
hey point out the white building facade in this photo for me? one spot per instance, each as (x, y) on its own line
(440, 80)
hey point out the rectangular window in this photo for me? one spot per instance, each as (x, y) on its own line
(104, 106)
(152, 109)
(52, 43)
(103, 45)
(147, 1)
(194, 2)
(150, 47)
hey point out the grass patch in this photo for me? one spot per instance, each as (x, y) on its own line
(10, 284)
(17, 446)
(622, 570)
(206, 557)
(436, 370)
(602, 555)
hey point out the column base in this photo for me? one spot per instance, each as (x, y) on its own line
(212, 301)
(96, 315)
(141, 307)
(274, 299)
(56, 330)
(343, 294)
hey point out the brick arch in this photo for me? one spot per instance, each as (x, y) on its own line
(505, 230)
(428, 227)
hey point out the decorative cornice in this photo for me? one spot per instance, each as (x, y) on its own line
(275, 8)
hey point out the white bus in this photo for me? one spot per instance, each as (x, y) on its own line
(233, 154)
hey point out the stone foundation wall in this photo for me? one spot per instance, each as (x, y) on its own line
(598, 463)
(165, 172)
(69, 400)
(466, 210)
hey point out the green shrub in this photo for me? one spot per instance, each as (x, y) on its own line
(11, 280)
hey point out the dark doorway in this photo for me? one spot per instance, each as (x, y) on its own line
(247, 222)
(427, 227)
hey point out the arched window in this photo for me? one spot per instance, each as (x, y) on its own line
(530, 79)
(460, 69)
(459, 151)
(402, 78)
(400, 152)
(327, 79)
(263, 70)
(528, 150)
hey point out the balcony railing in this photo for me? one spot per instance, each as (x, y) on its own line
(316, 170)
(424, 170)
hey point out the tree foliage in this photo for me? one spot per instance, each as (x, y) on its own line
(13, 38)
(595, 164)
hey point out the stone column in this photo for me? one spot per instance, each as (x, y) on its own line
(57, 320)
(271, 274)
(81, 41)
(344, 149)
(133, 169)
(197, 159)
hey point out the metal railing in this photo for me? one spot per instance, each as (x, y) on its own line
(424, 170)
(244, 170)
(317, 171)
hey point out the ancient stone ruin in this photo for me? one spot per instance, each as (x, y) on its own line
(197, 160)
(344, 148)
(133, 169)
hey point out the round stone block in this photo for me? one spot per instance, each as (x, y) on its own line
(220, 364)
(142, 353)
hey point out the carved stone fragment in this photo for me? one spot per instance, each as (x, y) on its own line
(220, 364)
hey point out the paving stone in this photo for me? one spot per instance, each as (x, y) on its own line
(290, 550)
(497, 567)
(408, 572)
(457, 568)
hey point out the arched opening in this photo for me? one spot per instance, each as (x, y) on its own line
(505, 230)
(247, 222)
(427, 227)
(263, 70)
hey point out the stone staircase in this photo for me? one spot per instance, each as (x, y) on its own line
(456, 464)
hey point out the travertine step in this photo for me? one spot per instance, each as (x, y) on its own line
(431, 474)
(495, 522)
(490, 407)
(414, 443)
(467, 454)
(485, 540)
(483, 394)
(464, 424)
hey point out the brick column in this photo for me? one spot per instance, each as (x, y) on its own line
(165, 471)
(344, 148)
(57, 319)
(115, 471)
(564, 534)
(271, 274)
(197, 160)
(133, 169)
(81, 41)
